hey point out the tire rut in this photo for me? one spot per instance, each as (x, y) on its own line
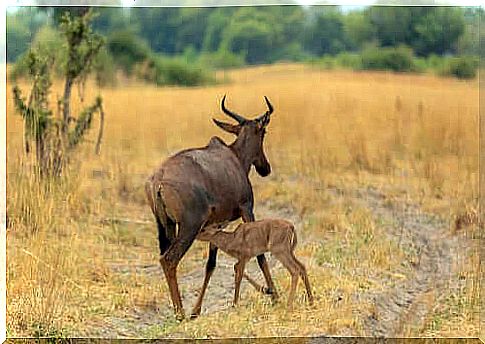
(403, 308)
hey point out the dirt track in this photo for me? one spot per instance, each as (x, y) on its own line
(405, 306)
(397, 310)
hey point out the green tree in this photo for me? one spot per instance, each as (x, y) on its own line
(254, 34)
(21, 27)
(191, 27)
(157, 26)
(438, 30)
(127, 49)
(217, 23)
(393, 25)
(326, 33)
(55, 137)
(358, 29)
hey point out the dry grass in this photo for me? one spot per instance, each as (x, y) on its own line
(393, 131)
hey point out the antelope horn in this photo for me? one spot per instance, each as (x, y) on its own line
(265, 117)
(231, 114)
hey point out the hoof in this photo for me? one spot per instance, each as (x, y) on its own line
(268, 291)
(179, 317)
(194, 316)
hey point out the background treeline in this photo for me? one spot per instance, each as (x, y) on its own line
(180, 45)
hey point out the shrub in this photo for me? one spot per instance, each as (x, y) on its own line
(398, 59)
(104, 68)
(292, 52)
(47, 42)
(222, 59)
(164, 70)
(349, 60)
(464, 67)
(326, 62)
(127, 49)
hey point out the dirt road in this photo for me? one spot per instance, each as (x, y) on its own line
(397, 310)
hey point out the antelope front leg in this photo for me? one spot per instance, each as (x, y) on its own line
(239, 271)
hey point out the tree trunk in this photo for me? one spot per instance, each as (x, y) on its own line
(66, 107)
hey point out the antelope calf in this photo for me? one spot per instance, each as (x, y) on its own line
(251, 239)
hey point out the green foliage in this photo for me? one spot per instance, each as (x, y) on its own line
(438, 30)
(349, 60)
(291, 52)
(359, 30)
(163, 70)
(221, 59)
(83, 123)
(18, 38)
(52, 136)
(191, 26)
(35, 112)
(40, 127)
(393, 25)
(22, 25)
(47, 42)
(341, 61)
(326, 33)
(469, 41)
(156, 25)
(105, 68)
(252, 34)
(82, 44)
(217, 21)
(464, 67)
(232, 36)
(127, 49)
(398, 59)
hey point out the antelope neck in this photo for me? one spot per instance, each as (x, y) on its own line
(239, 148)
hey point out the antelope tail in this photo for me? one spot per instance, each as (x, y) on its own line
(158, 201)
(294, 241)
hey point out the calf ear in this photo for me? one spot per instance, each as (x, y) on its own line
(230, 128)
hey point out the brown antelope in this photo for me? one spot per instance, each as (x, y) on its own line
(254, 238)
(182, 190)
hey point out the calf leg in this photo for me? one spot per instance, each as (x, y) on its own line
(248, 216)
(304, 277)
(294, 270)
(239, 271)
(256, 286)
(209, 269)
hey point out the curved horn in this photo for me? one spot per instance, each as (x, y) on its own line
(270, 107)
(265, 117)
(231, 114)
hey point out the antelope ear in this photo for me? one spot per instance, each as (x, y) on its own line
(230, 128)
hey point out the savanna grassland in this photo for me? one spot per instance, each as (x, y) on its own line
(379, 172)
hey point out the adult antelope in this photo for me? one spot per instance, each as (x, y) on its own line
(193, 181)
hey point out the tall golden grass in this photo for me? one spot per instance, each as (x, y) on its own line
(393, 131)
